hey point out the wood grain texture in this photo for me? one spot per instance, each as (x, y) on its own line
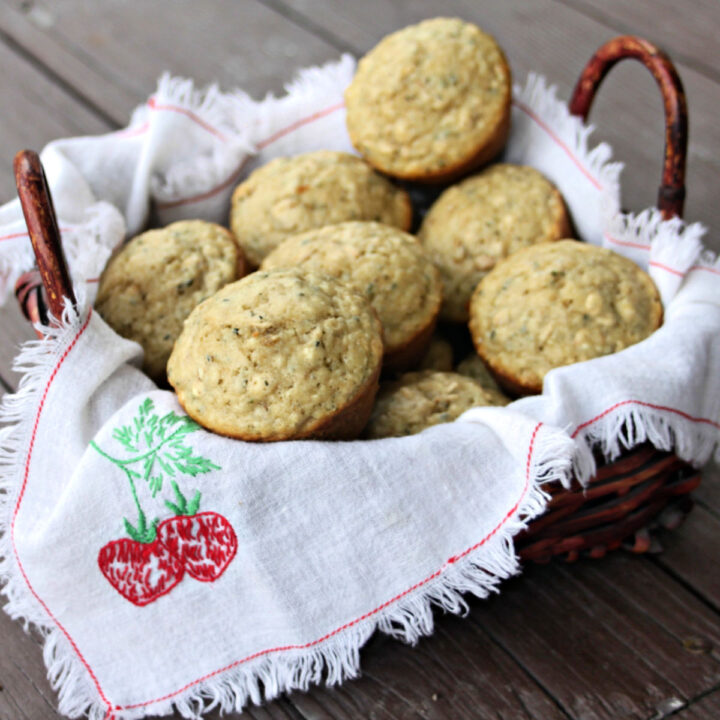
(706, 708)
(606, 639)
(556, 40)
(688, 31)
(34, 111)
(455, 673)
(693, 554)
(26, 693)
(237, 44)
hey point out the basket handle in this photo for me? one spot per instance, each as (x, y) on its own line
(46, 286)
(671, 195)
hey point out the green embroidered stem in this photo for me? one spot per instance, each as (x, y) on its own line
(143, 533)
(171, 454)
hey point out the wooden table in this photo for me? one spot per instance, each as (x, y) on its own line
(625, 637)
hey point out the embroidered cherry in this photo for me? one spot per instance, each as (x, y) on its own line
(205, 543)
(140, 572)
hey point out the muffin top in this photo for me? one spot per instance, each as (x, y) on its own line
(418, 400)
(428, 97)
(290, 195)
(483, 219)
(152, 284)
(386, 265)
(559, 303)
(275, 355)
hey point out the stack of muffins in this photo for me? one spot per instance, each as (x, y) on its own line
(341, 294)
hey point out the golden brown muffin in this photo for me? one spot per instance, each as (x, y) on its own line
(290, 195)
(150, 287)
(439, 355)
(431, 102)
(559, 303)
(473, 366)
(279, 355)
(483, 219)
(387, 266)
(418, 400)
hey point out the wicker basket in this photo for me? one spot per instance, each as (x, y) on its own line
(627, 497)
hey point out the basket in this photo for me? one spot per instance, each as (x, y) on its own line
(626, 498)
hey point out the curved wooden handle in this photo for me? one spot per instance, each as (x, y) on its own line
(42, 227)
(671, 196)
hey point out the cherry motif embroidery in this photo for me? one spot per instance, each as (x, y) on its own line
(156, 556)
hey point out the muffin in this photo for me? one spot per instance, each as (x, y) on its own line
(418, 400)
(559, 303)
(430, 102)
(473, 366)
(439, 355)
(387, 266)
(483, 219)
(279, 355)
(150, 287)
(290, 195)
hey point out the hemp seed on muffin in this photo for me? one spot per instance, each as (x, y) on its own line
(431, 101)
(290, 195)
(418, 400)
(153, 283)
(559, 303)
(280, 355)
(387, 266)
(483, 219)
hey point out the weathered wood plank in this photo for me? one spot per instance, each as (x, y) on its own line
(607, 640)
(236, 44)
(34, 112)
(708, 494)
(693, 554)
(26, 692)
(688, 31)
(707, 708)
(457, 673)
(26, 33)
(14, 330)
(556, 40)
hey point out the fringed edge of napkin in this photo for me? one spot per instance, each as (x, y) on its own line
(38, 361)
(332, 658)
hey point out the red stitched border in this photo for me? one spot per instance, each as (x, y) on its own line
(13, 236)
(26, 474)
(152, 103)
(352, 623)
(685, 415)
(261, 145)
(204, 196)
(624, 243)
(567, 150)
(654, 263)
(299, 123)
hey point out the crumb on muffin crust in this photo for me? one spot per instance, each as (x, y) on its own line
(418, 400)
(290, 195)
(387, 266)
(483, 219)
(277, 355)
(153, 283)
(559, 303)
(430, 99)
